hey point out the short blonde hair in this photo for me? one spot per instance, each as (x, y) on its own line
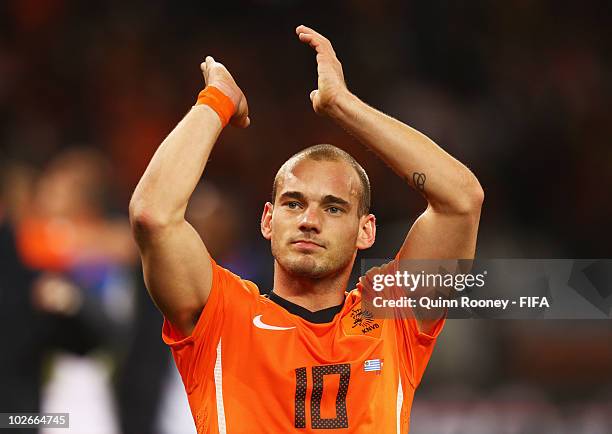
(325, 152)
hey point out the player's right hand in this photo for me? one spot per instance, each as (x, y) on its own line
(217, 75)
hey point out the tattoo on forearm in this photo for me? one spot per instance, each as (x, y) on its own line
(418, 180)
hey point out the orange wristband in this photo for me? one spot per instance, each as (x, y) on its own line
(219, 102)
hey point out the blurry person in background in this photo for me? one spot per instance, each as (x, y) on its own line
(66, 232)
(23, 329)
(40, 311)
(317, 221)
(16, 190)
(66, 226)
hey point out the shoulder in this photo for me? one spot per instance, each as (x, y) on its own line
(229, 281)
(354, 296)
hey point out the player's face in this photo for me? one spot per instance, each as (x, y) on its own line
(314, 226)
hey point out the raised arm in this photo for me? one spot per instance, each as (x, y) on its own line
(176, 264)
(447, 229)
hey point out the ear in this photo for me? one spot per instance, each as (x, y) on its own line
(266, 221)
(367, 232)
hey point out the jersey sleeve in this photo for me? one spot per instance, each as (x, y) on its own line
(415, 347)
(195, 354)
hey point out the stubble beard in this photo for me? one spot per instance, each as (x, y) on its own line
(307, 266)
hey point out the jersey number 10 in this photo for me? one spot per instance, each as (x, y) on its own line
(318, 372)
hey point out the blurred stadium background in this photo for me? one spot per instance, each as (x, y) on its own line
(519, 91)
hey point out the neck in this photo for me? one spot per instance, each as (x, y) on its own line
(311, 294)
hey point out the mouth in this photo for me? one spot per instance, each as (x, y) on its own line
(307, 244)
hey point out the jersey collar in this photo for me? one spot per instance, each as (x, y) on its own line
(318, 317)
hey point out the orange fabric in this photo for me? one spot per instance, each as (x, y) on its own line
(260, 368)
(219, 102)
(46, 244)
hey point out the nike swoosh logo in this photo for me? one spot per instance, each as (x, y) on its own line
(257, 322)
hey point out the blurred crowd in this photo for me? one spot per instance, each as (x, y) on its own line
(516, 90)
(73, 303)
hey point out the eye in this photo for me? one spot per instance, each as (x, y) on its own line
(292, 205)
(334, 210)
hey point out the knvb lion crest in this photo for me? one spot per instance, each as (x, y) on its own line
(364, 320)
(361, 317)
(361, 322)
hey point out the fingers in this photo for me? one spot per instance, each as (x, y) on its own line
(245, 121)
(241, 118)
(208, 61)
(215, 74)
(242, 122)
(206, 67)
(307, 30)
(305, 37)
(313, 94)
(314, 39)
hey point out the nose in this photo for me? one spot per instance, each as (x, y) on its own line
(310, 220)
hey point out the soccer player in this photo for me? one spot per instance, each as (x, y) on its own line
(308, 357)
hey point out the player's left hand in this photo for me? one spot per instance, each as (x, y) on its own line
(331, 85)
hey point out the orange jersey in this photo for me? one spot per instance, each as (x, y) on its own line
(251, 366)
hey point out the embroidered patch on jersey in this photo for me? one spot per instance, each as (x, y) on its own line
(361, 322)
(373, 365)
